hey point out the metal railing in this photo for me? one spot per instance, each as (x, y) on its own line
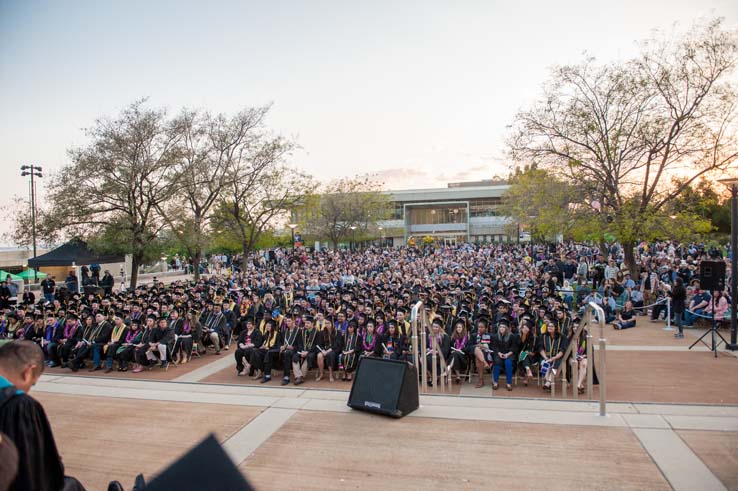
(419, 350)
(593, 316)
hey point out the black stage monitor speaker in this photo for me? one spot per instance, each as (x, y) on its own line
(387, 387)
(712, 276)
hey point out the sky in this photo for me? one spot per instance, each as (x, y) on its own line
(419, 93)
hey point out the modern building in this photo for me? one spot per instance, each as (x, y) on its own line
(460, 212)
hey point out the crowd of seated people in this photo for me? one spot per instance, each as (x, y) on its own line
(493, 309)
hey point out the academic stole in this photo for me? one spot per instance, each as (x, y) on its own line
(350, 357)
(552, 345)
(287, 343)
(271, 340)
(115, 337)
(305, 338)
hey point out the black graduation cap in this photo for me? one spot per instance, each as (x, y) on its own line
(437, 321)
(186, 473)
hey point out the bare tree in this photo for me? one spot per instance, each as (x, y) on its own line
(261, 188)
(344, 203)
(210, 147)
(622, 131)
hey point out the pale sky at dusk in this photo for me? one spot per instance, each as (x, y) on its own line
(420, 92)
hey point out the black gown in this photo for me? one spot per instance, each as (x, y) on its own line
(352, 342)
(255, 338)
(24, 421)
(394, 346)
(459, 353)
(333, 340)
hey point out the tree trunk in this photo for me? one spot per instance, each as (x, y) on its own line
(244, 258)
(196, 264)
(135, 263)
(630, 262)
(604, 249)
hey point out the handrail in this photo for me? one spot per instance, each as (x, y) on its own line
(418, 316)
(588, 320)
(414, 317)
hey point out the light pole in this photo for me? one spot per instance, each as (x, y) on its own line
(381, 235)
(292, 227)
(33, 171)
(353, 236)
(732, 184)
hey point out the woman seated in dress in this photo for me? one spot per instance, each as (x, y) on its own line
(249, 340)
(349, 356)
(527, 356)
(626, 317)
(126, 352)
(371, 345)
(460, 341)
(183, 331)
(439, 344)
(505, 347)
(330, 344)
(393, 343)
(551, 348)
(480, 350)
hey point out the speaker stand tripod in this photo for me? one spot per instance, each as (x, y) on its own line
(713, 331)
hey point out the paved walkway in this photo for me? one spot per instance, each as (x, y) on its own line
(662, 430)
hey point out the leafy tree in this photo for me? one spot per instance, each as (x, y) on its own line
(341, 204)
(619, 131)
(114, 185)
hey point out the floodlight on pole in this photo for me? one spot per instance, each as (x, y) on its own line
(292, 227)
(33, 171)
(353, 236)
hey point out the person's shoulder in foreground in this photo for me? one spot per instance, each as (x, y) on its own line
(24, 420)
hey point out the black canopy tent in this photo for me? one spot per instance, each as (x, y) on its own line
(75, 251)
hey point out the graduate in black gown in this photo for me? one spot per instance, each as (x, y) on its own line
(249, 340)
(438, 338)
(263, 358)
(394, 343)
(371, 344)
(306, 357)
(551, 348)
(329, 346)
(24, 422)
(349, 356)
(291, 344)
(126, 351)
(459, 354)
(527, 355)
